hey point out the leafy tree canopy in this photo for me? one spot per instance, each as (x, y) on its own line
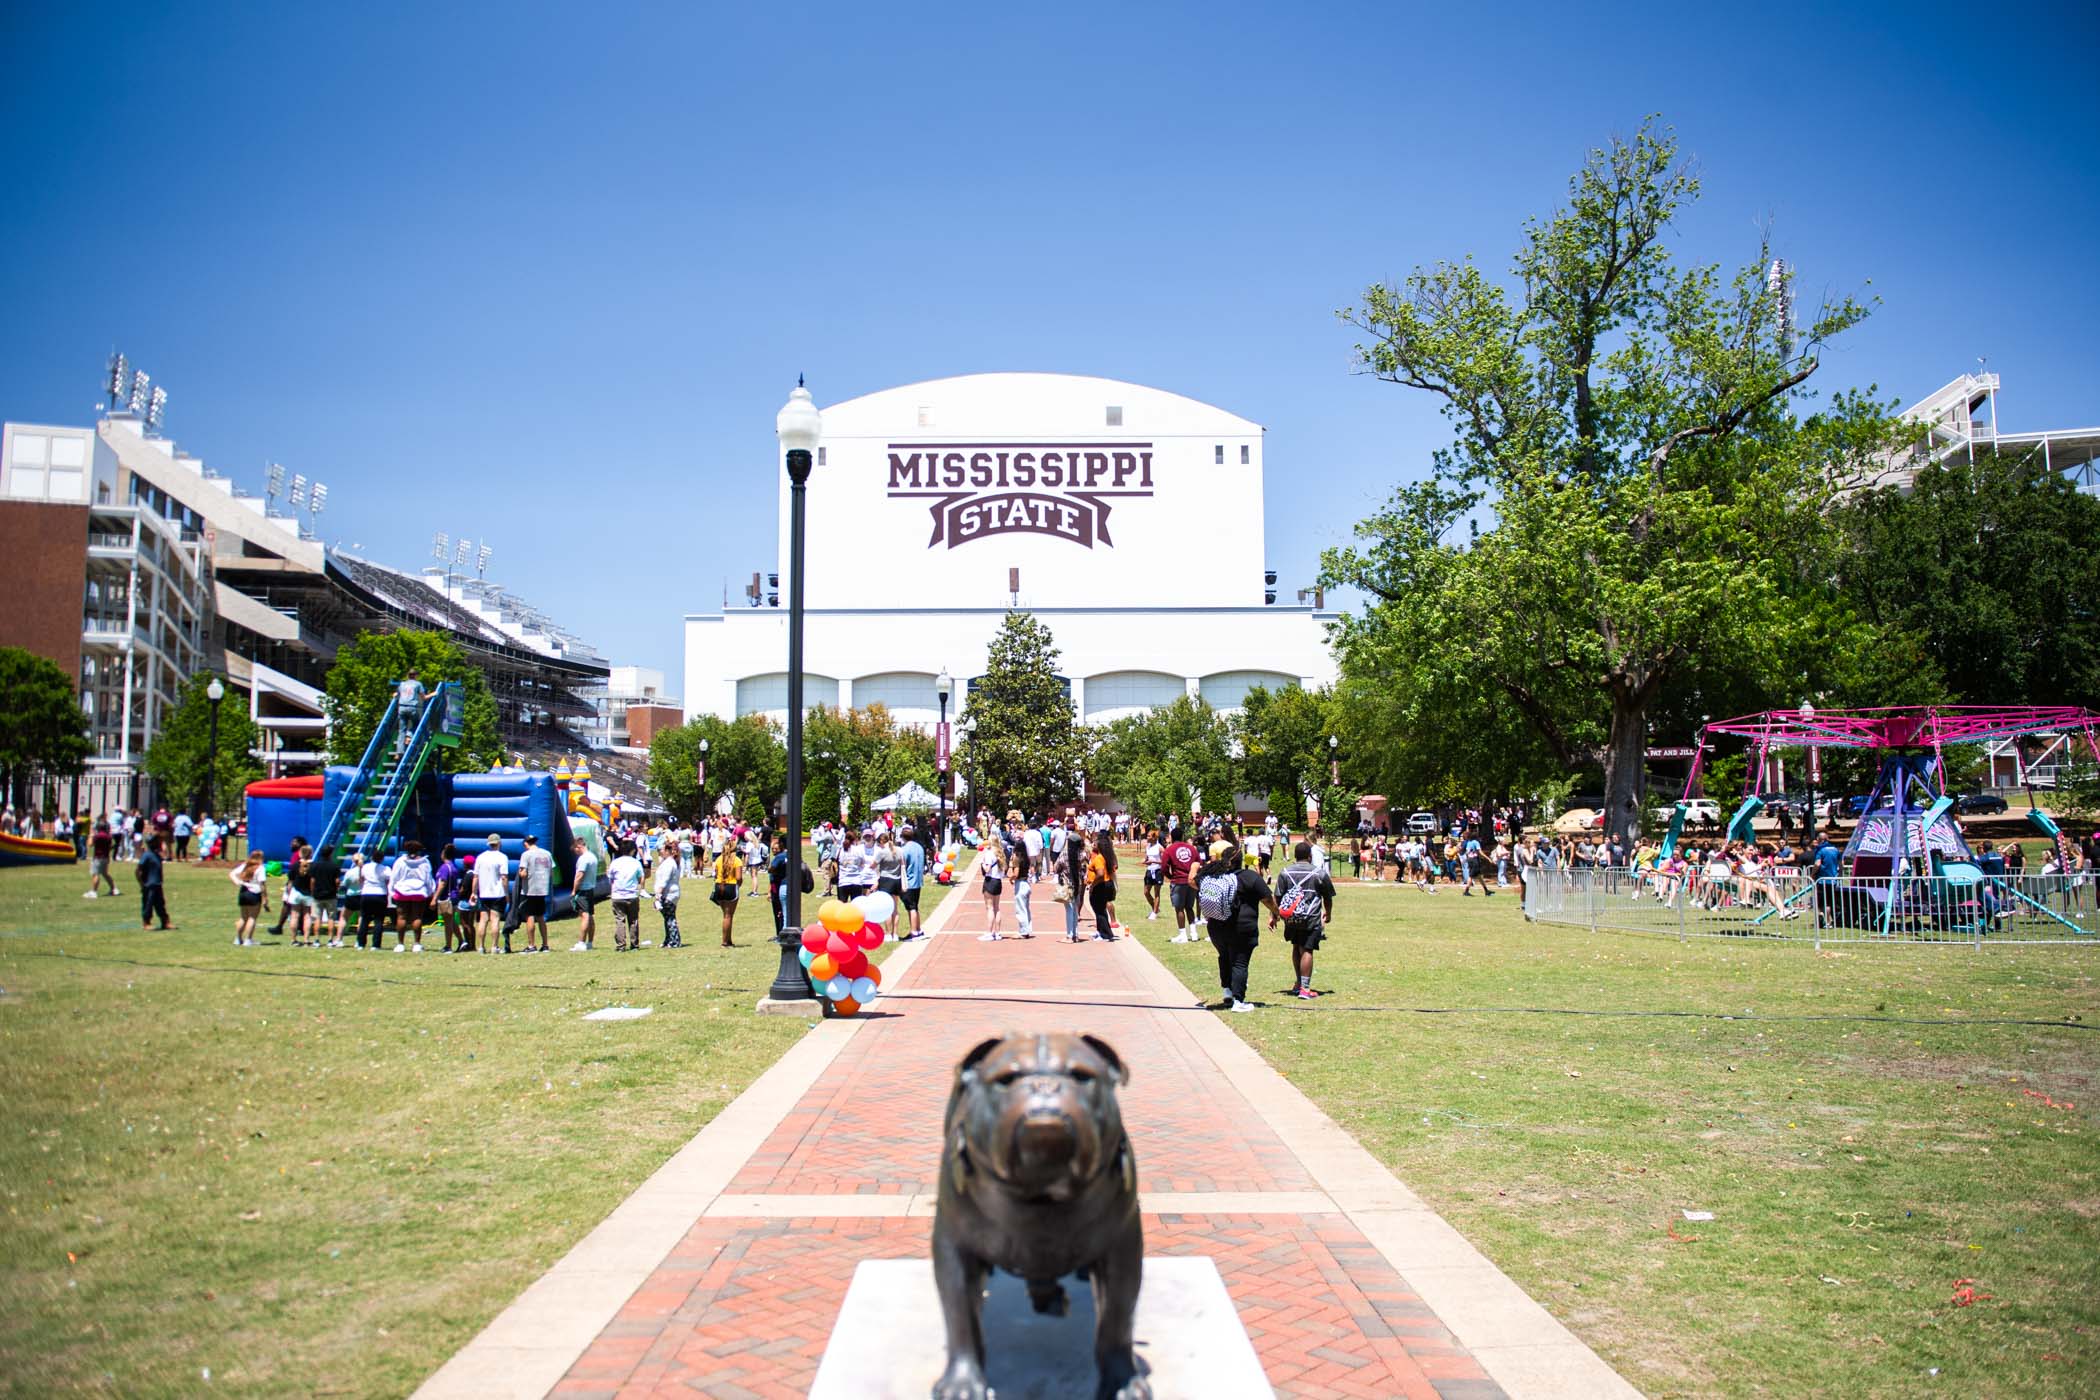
(1282, 736)
(862, 754)
(42, 727)
(361, 684)
(1654, 502)
(1994, 566)
(744, 757)
(1027, 749)
(181, 754)
(1168, 761)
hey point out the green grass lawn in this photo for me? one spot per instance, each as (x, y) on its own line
(1866, 1127)
(321, 1172)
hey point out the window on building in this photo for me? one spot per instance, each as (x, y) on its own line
(925, 415)
(1227, 690)
(1220, 457)
(1117, 693)
(1115, 415)
(1246, 455)
(820, 456)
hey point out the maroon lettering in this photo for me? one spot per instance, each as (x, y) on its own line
(904, 471)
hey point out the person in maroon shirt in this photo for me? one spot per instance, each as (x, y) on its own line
(1178, 859)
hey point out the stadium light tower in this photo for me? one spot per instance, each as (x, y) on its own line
(157, 408)
(119, 377)
(141, 387)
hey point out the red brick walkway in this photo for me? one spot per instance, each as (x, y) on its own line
(744, 1305)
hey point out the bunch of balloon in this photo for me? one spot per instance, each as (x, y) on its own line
(835, 950)
(946, 874)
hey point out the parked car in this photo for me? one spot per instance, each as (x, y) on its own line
(1979, 804)
(1422, 823)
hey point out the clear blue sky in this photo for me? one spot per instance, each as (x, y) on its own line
(542, 274)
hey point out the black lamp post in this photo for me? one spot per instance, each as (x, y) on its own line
(703, 780)
(215, 692)
(943, 686)
(799, 425)
(976, 770)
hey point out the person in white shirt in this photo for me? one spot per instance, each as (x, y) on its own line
(583, 892)
(491, 884)
(408, 890)
(666, 889)
(536, 880)
(625, 872)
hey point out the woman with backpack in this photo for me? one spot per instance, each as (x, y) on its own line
(1230, 897)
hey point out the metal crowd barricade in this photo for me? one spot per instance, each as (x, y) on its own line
(1789, 907)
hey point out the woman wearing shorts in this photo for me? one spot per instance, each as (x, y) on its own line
(1155, 870)
(991, 869)
(410, 893)
(889, 867)
(1101, 885)
(251, 883)
(728, 873)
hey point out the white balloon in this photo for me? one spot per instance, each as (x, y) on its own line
(876, 907)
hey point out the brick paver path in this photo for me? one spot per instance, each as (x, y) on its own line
(744, 1304)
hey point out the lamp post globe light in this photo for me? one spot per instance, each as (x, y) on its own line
(943, 687)
(215, 692)
(799, 427)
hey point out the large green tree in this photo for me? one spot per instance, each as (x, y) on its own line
(1168, 760)
(1633, 492)
(180, 756)
(1996, 566)
(744, 757)
(1282, 736)
(862, 753)
(1027, 748)
(43, 732)
(361, 684)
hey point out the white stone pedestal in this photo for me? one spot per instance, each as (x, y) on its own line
(888, 1342)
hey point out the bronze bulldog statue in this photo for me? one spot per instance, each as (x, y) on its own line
(1038, 1179)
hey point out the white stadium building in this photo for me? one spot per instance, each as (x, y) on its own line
(1127, 519)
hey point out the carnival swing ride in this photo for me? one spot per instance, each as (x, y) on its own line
(1907, 861)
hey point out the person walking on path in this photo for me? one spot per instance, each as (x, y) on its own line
(153, 893)
(1069, 860)
(583, 890)
(991, 870)
(1101, 884)
(1305, 900)
(491, 884)
(183, 827)
(100, 845)
(251, 884)
(536, 879)
(665, 889)
(1179, 859)
(1022, 874)
(1230, 897)
(729, 876)
(1155, 872)
(625, 873)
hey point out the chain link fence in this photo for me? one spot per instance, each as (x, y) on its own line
(1792, 908)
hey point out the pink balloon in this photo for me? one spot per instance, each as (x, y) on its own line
(814, 936)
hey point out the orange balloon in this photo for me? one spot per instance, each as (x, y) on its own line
(823, 967)
(874, 973)
(845, 1006)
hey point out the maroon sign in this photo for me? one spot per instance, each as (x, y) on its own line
(940, 746)
(977, 490)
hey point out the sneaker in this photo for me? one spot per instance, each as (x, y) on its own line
(90, 895)
(417, 949)
(1243, 1006)
(1307, 994)
(581, 948)
(1154, 915)
(400, 948)
(987, 938)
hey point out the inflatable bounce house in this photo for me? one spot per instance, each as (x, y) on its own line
(21, 850)
(395, 794)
